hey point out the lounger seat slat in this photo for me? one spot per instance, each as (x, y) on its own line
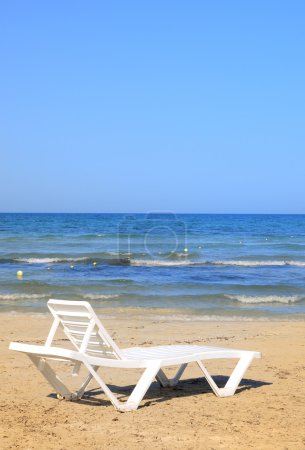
(65, 314)
(166, 352)
(99, 352)
(76, 323)
(80, 336)
(80, 331)
(96, 343)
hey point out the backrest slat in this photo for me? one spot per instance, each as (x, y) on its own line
(83, 328)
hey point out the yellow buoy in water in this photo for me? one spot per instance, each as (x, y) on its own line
(71, 267)
(94, 263)
(19, 274)
(186, 250)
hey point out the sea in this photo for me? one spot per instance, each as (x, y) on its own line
(172, 266)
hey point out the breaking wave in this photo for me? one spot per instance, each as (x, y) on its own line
(141, 259)
(155, 262)
(266, 299)
(14, 297)
(258, 263)
(100, 296)
(49, 260)
(187, 262)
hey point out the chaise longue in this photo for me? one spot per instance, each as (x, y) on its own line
(95, 349)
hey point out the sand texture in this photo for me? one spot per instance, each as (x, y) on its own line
(268, 410)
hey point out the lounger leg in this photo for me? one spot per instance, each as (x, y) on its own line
(162, 378)
(83, 387)
(142, 386)
(137, 394)
(51, 377)
(178, 375)
(233, 381)
(165, 381)
(237, 375)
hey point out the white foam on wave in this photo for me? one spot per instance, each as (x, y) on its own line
(251, 299)
(259, 263)
(49, 260)
(211, 318)
(157, 262)
(187, 262)
(21, 296)
(100, 296)
(168, 263)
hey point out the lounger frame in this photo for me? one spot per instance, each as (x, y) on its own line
(95, 349)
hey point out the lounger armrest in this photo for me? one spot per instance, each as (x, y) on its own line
(20, 347)
(65, 354)
(43, 350)
(27, 348)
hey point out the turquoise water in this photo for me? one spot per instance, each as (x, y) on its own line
(248, 266)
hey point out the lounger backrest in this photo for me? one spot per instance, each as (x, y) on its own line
(83, 328)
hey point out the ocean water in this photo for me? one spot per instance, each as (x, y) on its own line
(186, 266)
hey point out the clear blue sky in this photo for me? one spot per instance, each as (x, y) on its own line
(187, 106)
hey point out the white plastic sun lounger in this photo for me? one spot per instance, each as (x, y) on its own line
(95, 349)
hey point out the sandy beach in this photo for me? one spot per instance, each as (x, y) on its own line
(268, 410)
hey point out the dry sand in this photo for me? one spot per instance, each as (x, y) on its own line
(268, 411)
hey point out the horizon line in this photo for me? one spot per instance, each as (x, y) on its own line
(158, 212)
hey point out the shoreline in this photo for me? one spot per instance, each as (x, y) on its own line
(165, 315)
